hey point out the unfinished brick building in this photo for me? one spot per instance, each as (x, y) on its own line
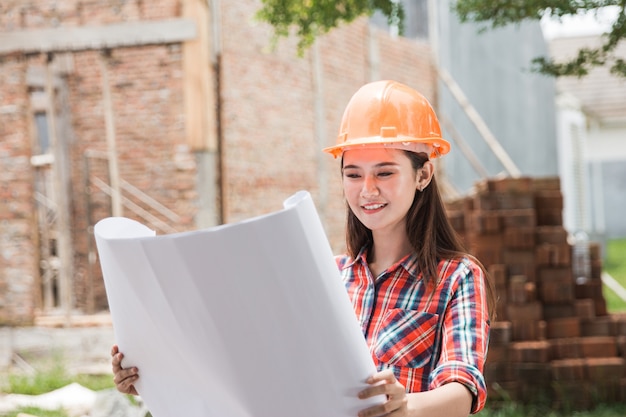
(177, 113)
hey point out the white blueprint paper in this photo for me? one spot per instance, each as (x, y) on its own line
(243, 320)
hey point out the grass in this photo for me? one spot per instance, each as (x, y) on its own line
(54, 376)
(49, 376)
(34, 411)
(510, 409)
(615, 265)
(40, 383)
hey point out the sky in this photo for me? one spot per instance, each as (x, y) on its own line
(587, 24)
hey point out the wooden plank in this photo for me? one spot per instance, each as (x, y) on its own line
(98, 37)
(480, 124)
(200, 89)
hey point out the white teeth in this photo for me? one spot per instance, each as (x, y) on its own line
(373, 206)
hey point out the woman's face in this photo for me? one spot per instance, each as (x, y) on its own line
(379, 185)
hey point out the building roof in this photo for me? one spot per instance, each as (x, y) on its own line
(602, 94)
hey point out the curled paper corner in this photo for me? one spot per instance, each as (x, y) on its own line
(121, 228)
(297, 198)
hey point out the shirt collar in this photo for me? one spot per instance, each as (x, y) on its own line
(409, 262)
(361, 258)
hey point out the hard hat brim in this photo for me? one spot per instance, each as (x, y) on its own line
(434, 147)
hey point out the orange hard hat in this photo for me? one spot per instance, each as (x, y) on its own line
(390, 114)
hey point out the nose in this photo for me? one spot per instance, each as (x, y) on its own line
(369, 188)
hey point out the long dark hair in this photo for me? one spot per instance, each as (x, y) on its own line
(429, 231)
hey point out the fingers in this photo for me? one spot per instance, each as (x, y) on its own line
(386, 376)
(125, 375)
(388, 409)
(124, 378)
(116, 362)
(385, 383)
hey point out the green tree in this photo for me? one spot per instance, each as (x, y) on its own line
(311, 18)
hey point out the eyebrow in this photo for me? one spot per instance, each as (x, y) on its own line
(380, 165)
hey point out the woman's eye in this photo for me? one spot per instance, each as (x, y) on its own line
(385, 174)
(351, 175)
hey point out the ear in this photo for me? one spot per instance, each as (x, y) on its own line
(425, 175)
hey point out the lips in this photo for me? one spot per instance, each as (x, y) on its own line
(373, 206)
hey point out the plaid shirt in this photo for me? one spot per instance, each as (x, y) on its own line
(427, 338)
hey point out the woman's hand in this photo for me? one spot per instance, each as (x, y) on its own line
(385, 383)
(123, 378)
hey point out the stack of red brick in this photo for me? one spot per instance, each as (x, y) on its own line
(553, 339)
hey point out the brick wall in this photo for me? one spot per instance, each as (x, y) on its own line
(269, 120)
(17, 237)
(269, 144)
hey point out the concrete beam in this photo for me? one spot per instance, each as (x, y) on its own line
(126, 34)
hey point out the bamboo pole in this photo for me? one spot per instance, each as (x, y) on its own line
(465, 148)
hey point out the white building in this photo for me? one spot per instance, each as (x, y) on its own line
(591, 127)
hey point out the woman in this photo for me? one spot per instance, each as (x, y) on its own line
(423, 304)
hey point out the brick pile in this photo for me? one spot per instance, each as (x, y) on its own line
(553, 340)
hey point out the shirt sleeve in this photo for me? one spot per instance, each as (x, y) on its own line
(465, 334)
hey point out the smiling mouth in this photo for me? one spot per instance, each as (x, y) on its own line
(373, 206)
